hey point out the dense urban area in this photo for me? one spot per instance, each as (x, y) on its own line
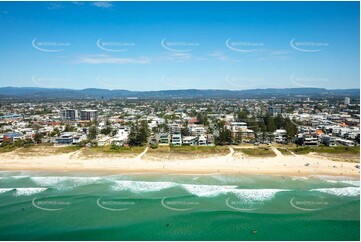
(118, 124)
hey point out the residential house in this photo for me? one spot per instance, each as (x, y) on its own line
(196, 130)
(176, 139)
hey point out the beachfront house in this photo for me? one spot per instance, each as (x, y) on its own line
(280, 135)
(12, 137)
(164, 139)
(329, 140)
(196, 130)
(237, 126)
(122, 134)
(176, 139)
(210, 139)
(69, 138)
(103, 141)
(202, 140)
(190, 140)
(240, 128)
(307, 139)
(65, 139)
(347, 142)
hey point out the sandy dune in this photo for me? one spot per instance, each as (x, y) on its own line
(231, 163)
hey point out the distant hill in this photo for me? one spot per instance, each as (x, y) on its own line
(36, 92)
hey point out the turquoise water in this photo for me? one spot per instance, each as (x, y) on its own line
(45, 206)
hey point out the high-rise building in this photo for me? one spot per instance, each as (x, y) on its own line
(68, 114)
(275, 110)
(89, 115)
(347, 100)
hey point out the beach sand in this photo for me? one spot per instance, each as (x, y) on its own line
(232, 163)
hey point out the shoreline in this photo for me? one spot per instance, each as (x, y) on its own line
(171, 172)
(296, 165)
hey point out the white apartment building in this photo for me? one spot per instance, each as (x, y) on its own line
(196, 130)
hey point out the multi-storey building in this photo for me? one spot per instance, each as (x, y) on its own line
(68, 114)
(89, 115)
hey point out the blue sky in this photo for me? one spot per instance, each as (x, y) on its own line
(180, 45)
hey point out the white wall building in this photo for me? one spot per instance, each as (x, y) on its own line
(196, 129)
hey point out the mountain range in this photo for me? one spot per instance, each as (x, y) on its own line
(38, 92)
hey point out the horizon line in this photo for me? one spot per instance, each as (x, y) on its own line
(183, 89)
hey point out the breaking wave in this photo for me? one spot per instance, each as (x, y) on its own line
(3, 190)
(207, 190)
(353, 183)
(63, 182)
(28, 191)
(197, 190)
(343, 191)
(141, 186)
(257, 194)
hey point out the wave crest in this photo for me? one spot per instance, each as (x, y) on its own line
(63, 182)
(141, 186)
(3, 190)
(28, 191)
(343, 191)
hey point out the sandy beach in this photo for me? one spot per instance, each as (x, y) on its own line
(231, 163)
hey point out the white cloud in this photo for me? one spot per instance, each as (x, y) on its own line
(274, 55)
(219, 55)
(55, 6)
(278, 52)
(177, 56)
(78, 3)
(180, 57)
(106, 59)
(103, 4)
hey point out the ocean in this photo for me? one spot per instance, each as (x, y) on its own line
(79, 206)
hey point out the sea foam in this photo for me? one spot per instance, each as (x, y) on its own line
(243, 194)
(338, 179)
(3, 190)
(141, 186)
(343, 191)
(63, 182)
(257, 194)
(232, 179)
(28, 191)
(353, 183)
(197, 190)
(18, 177)
(207, 190)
